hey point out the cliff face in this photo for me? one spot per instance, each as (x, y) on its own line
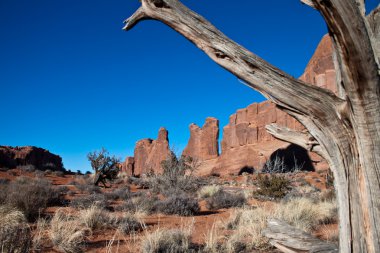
(11, 157)
(203, 143)
(150, 153)
(246, 145)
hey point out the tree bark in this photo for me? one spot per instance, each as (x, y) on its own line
(344, 129)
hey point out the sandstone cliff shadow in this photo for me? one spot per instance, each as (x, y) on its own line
(246, 169)
(290, 159)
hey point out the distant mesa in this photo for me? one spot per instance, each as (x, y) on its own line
(246, 145)
(42, 159)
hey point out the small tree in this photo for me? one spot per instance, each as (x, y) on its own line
(104, 166)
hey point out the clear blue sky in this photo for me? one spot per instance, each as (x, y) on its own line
(72, 81)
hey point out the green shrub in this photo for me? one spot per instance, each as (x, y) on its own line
(273, 187)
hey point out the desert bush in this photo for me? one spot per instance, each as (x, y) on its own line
(273, 187)
(58, 173)
(104, 166)
(180, 205)
(141, 183)
(88, 188)
(47, 172)
(129, 223)
(208, 191)
(15, 235)
(177, 176)
(140, 204)
(66, 233)
(27, 168)
(84, 202)
(170, 241)
(121, 194)
(306, 190)
(32, 196)
(223, 199)
(39, 174)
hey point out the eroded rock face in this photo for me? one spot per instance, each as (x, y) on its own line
(320, 70)
(128, 166)
(42, 159)
(246, 145)
(150, 153)
(203, 143)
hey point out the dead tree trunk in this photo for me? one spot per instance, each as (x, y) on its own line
(289, 239)
(344, 129)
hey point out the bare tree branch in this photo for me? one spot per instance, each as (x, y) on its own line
(258, 74)
(309, 3)
(303, 139)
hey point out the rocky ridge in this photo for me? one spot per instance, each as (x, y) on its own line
(246, 145)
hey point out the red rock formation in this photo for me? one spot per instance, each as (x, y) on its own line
(128, 166)
(320, 69)
(150, 153)
(203, 143)
(11, 157)
(247, 145)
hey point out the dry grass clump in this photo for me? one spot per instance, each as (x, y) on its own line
(66, 233)
(208, 191)
(96, 218)
(306, 214)
(140, 204)
(15, 235)
(303, 213)
(168, 241)
(40, 234)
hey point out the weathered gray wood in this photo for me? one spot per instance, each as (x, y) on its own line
(289, 239)
(345, 128)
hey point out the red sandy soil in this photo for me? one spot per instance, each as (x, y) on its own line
(98, 241)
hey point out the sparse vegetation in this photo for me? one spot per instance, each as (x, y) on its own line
(177, 177)
(31, 196)
(84, 202)
(223, 199)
